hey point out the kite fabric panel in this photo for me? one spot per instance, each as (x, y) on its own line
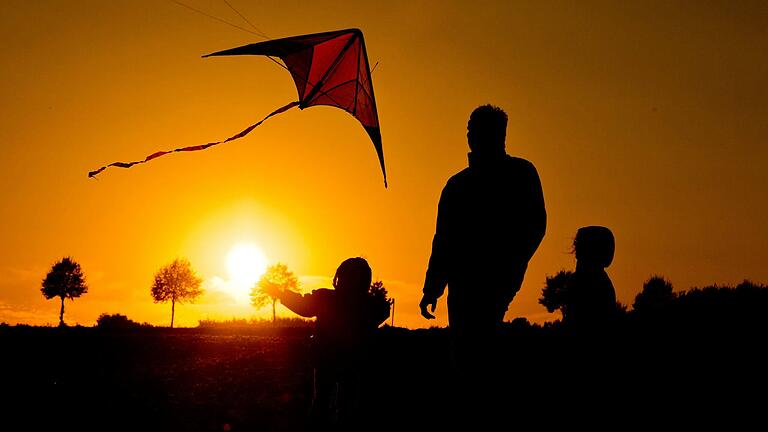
(328, 68)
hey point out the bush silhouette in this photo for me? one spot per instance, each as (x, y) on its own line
(117, 322)
(655, 297)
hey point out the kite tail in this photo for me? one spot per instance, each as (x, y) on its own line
(156, 155)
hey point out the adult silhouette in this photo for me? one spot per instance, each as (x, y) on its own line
(490, 221)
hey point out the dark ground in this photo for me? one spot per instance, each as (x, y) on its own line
(179, 379)
(222, 380)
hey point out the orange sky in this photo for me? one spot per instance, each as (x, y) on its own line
(648, 118)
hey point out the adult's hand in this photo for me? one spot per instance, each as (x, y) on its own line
(427, 300)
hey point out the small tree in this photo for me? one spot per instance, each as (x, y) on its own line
(378, 290)
(554, 296)
(176, 283)
(65, 280)
(277, 278)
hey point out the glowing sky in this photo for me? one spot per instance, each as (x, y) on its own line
(647, 117)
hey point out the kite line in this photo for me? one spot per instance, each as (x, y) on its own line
(246, 131)
(247, 20)
(259, 34)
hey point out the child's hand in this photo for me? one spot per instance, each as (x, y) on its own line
(273, 291)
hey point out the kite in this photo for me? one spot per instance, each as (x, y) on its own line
(328, 68)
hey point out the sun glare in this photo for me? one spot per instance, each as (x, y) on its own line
(246, 263)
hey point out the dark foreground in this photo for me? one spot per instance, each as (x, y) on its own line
(205, 380)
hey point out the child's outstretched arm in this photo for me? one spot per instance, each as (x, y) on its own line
(303, 305)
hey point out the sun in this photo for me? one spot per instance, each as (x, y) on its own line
(246, 263)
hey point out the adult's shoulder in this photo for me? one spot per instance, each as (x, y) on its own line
(458, 178)
(520, 163)
(520, 166)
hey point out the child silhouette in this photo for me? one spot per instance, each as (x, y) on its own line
(590, 318)
(591, 298)
(346, 318)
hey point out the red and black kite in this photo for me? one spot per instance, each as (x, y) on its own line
(328, 69)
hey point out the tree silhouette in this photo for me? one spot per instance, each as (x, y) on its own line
(655, 296)
(176, 283)
(65, 280)
(277, 278)
(378, 290)
(554, 294)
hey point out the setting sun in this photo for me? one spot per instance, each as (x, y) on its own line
(246, 263)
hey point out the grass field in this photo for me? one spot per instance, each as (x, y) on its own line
(171, 379)
(224, 380)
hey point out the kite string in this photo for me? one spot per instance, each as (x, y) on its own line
(247, 20)
(260, 33)
(219, 19)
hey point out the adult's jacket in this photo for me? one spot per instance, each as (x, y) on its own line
(490, 221)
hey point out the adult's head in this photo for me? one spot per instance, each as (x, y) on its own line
(594, 246)
(487, 130)
(353, 275)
